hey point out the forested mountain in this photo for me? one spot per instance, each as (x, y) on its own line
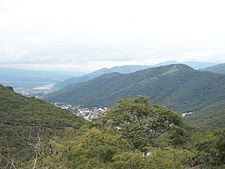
(125, 70)
(120, 69)
(210, 117)
(176, 86)
(220, 68)
(131, 134)
(26, 121)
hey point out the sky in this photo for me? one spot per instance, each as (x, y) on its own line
(85, 35)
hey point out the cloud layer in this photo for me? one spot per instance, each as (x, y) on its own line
(87, 34)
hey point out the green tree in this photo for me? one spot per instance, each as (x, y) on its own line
(142, 123)
(210, 148)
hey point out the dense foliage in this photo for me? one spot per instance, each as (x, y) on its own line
(132, 134)
(23, 121)
(209, 149)
(123, 138)
(142, 124)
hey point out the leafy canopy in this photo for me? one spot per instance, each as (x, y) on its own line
(142, 123)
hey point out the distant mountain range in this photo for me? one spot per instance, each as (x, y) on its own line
(120, 69)
(124, 70)
(220, 68)
(178, 86)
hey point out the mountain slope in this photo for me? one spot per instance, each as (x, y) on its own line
(216, 69)
(210, 117)
(23, 120)
(125, 70)
(120, 69)
(176, 86)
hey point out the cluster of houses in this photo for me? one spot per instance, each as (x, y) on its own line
(87, 113)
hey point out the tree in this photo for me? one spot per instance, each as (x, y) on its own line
(210, 147)
(142, 123)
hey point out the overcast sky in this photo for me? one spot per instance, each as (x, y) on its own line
(90, 34)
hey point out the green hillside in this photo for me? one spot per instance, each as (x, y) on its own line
(220, 68)
(23, 121)
(135, 134)
(131, 134)
(210, 117)
(178, 87)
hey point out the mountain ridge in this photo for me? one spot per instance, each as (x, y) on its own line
(220, 69)
(120, 69)
(125, 70)
(173, 86)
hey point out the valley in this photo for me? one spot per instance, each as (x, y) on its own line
(31, 89)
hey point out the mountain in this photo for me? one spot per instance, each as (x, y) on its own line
(178, 86)
(210, 117)
(124, 70)
(24, 120)
(120, 69)
(35, 134)
(220, 68)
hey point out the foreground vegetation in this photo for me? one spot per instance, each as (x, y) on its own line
(133, 134)
(26, 121)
